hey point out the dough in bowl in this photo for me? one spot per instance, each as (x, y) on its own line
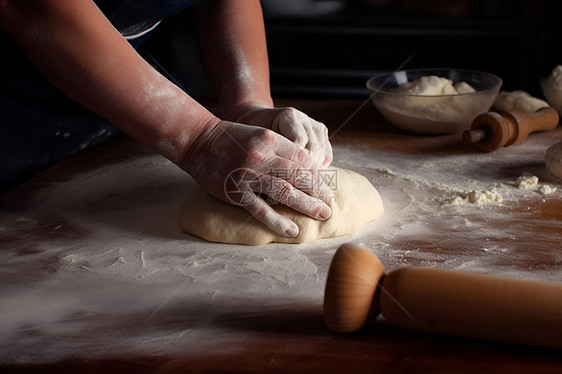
(354, 203)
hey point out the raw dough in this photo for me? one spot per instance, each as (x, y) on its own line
(553, 160)
(552, 88)
(520, 100)
(431, 104)
(434, 86)
(355, 202)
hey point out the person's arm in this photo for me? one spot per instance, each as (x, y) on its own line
(74, 45)
(233, 47)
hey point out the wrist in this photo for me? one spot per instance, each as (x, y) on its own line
(236, 111)
(205, 136)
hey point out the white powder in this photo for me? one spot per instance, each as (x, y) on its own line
(527, 182)
(547, 190)
(478, 197)
(113, 274)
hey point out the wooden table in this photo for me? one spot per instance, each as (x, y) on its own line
(294, 338)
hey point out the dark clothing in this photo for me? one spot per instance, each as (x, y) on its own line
(40, 125)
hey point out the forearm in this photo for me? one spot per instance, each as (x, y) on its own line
(233, 48)
(79, 51)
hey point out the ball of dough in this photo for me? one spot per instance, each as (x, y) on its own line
(518, 100)
(552, 88)
(354, 203)
(553, 160)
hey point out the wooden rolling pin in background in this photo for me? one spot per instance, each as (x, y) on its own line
(441, 301)
(492, 130)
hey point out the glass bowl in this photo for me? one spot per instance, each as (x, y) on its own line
(433, 114)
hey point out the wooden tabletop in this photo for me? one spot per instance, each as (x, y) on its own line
(293, 338)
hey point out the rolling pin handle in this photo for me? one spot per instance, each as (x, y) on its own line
(473, 136)
(492, 130)
(440, 301)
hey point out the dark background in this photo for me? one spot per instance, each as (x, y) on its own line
(328, 49)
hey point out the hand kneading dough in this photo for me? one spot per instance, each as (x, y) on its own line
(355, 202)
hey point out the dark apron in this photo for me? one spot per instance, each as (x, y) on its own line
(38, 124)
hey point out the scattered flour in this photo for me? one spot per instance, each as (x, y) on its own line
(478, 197)
(547, 190)
(114, 275)
(527, 182)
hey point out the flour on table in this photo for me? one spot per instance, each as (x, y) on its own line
(547, 190)
(114, 276)
(527, 182)
(478, 197)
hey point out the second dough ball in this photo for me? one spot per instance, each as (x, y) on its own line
(553, 160)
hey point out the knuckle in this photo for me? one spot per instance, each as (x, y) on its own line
(290, 115)
(300, 139)
(254, 156)
(301, 156)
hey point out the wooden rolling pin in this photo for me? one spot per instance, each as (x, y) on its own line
(441, 301)
(492, 130)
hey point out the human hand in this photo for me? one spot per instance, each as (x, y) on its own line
(235, 162)
(295, 126)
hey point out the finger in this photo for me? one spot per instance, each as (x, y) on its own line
(306, 179)
(273, 220)
(299, 170)
(324, 141)
(328, 155)
(286, 194)
(313, 146)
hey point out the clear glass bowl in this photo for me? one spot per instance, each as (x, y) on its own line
(433, 114)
